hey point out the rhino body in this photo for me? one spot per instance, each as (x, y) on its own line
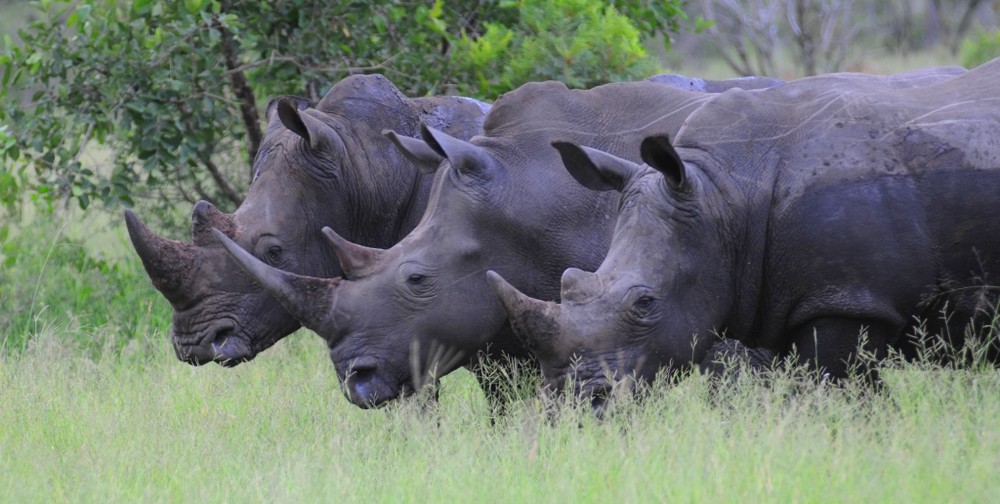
(323, 166)
(409, 314)
(793, 218)
(714, 86)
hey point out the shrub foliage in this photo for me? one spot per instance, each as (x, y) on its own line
(174, 90)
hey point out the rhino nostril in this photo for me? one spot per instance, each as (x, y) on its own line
(366, 388)
(362, 373)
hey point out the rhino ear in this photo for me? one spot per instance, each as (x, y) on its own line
(466, 157)
(657, 152)
(595, 169)
(319, 135)
(417, 151)
(272, 106)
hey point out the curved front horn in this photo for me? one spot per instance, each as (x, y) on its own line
(167, 262)
(534, 321)
(308, 299)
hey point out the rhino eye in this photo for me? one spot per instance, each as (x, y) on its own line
(644, 303)
(416, 279)
(273, 254)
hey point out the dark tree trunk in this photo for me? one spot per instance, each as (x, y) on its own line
(247, 101)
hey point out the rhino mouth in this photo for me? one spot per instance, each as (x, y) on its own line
(602, 394)
(368, 386)
(220, 343)
(600, 398)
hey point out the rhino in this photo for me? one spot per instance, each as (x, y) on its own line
(404, 316)
(323, 166)
(806, 219)
(714, 86)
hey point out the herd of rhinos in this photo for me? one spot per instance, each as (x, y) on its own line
(613, 233)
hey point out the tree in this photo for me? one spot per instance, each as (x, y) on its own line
(578, 42)
(750, 33)
(817, 36)
(175, 89)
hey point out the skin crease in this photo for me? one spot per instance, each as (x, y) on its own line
(852, 206)
(323, 166)
(378, 352)
(500, 201)
(220, 315)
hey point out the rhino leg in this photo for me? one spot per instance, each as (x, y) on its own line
(831, 344)
(728, 353)
(501, 375)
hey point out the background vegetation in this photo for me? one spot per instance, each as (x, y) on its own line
(109, 102)
(175, 89)
(134, 425)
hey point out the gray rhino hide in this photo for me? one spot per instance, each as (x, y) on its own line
(350, 178)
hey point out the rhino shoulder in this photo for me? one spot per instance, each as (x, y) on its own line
(361, 94)
(715, 86)
(458, 116)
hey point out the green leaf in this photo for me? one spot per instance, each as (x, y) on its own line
(195, 6)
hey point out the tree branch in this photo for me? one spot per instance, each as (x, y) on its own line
(220, 180)
(247, 101)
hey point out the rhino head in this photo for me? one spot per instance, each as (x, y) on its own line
(390, 320)
(402, 317)
(305, 178)
(652, 303)
(219, 313)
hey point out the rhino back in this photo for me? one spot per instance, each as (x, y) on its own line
(840, 125)
(457, 116)
(871, 198)
(612, 117)
(714, 86)
(554, 220)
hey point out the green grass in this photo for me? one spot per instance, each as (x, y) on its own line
(136, 424)
(77, 272)
(94, 407)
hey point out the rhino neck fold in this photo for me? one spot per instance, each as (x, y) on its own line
(381, 198)
(740, 199)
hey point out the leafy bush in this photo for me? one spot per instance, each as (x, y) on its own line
(45, 276)
(176, 89)
(980, 48)
(578, 42)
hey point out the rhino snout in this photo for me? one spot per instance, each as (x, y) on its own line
(367, 388)
(600, 396)
(218, 343)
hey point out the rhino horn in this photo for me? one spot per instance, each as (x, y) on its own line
(533, 320)
(354, 259)
(306, 298)
(574, 285)
(204, 217)
(416, 151)
(167, 262)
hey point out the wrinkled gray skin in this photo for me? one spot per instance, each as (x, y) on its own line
(915, 78)
(790, 218)
(714, 86)
(407, 315)
(324, 166)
